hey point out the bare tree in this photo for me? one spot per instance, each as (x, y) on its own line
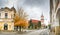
(22, 14)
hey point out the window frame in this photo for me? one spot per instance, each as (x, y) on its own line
(6, 15)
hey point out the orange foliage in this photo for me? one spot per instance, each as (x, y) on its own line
(16, 18)
(21, 22)
(20, 18)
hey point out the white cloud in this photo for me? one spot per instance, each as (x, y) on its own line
(11, 3)
(34, 12)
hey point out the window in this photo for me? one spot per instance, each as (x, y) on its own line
(6, 15)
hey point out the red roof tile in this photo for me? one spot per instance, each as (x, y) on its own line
(35, 21)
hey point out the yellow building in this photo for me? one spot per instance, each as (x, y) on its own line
(6, 18)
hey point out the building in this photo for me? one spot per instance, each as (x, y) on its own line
(42, 21)
(55, 15)
(6, 18)
(34, 24)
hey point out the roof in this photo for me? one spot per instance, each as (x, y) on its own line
(13, 9)
(35, 21)
(8, 9)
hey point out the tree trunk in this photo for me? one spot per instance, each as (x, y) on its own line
(20, 28)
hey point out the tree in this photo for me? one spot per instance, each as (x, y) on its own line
(30, 24)
(20, 19)
(39, 24)
(49, 26)
(22, 14)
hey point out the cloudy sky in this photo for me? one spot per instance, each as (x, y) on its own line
(34, 8)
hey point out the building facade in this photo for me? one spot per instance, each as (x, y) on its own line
(42, 21)
(55, 14)
(6, 18)
(34, 24)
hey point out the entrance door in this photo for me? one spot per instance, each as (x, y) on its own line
(5, 26)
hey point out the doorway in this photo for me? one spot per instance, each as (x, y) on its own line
(5, 26)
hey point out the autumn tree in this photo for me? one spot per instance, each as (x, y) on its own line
(21, 19)
(30, 24)
(39, 24)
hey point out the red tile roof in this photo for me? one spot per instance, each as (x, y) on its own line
(35, 21)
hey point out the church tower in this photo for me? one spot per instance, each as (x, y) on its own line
(42, 21)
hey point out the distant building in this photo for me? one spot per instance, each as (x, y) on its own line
(34, 24)
(6, 18)
(42, 21)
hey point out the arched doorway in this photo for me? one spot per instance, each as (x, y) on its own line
(5, 26)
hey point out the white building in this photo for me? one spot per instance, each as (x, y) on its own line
(6, 18)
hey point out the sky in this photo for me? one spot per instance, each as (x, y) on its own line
(34, 8)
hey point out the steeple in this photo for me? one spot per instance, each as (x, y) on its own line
(42, 15)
